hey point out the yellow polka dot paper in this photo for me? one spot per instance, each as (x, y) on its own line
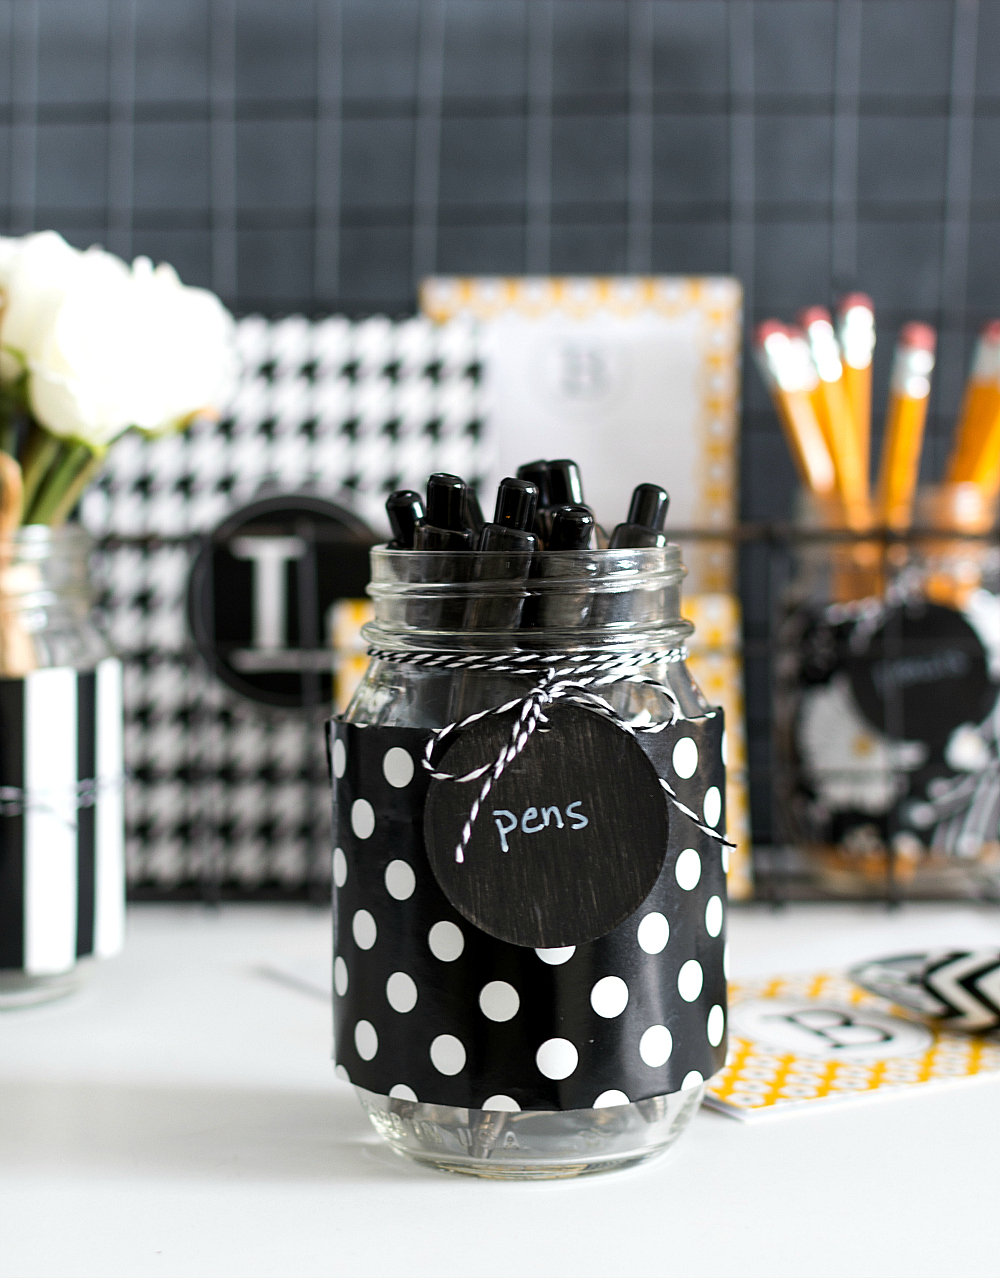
(799, 1041)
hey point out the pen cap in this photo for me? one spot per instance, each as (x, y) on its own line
(516, 503)
(446, 501)
(572, 528)
(648, 507)
(565, 484)
(537, 473)
(405, 510)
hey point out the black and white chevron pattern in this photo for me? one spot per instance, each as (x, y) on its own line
(959, 987)
(62, 827)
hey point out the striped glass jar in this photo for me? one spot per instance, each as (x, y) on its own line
(62, 854)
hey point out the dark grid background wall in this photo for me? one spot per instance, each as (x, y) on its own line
(316, 156)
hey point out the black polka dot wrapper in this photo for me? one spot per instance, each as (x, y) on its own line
(430, 1008)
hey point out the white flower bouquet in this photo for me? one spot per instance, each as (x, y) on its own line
(91, 348)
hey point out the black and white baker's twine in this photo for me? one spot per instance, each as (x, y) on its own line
(16, 801)
(563, 677)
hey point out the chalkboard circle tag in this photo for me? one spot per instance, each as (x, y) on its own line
(921, 674)
(569, 841)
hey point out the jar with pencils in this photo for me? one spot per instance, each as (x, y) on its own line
(887, 724)
(529, 865)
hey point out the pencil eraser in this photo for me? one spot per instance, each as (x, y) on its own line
(918, 336)
(765, 328)
(813, 313)
(991, 330)
(852, 300)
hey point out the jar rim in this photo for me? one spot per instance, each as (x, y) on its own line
(446, 601)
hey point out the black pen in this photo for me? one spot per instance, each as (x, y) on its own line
(444, 527)
(537, 473)
(647, 514)
(572, 528)
(507, 545)
(405, 510)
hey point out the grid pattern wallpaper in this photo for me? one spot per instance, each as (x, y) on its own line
(322, 156)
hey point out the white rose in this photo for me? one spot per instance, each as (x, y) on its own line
(106, 347)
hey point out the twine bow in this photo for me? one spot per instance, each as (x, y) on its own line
(568, 679)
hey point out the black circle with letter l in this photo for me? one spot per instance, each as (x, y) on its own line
(568, 843)
(261, 589)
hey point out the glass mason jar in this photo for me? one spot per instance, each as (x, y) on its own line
(887, 712)
(61, 814)
(574, 603)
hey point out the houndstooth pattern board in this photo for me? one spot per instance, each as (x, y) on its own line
(226, 796)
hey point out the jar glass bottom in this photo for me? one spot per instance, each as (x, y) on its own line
(531, 1144)
(22, 989)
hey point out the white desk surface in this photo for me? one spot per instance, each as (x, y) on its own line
(180, 1117)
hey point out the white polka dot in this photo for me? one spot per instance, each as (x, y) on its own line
(397, 767)
(653, 933)
(691, 1079)
(557, 1058)
(339, 867)
(555, 957)
(725, 748)
(339, 758)
(342, 1074)
(446, 941)
(365, 1040)
(725, 859)
(505, 1103)
(716, 1025)
(725, 961)
(340, 976)
(362, 818)
(609, 997)
(713, 916)
(447, 1054)
(688, 869)
(402, 1092)
(499, 1001)
(712, 807)
(364, 929)
(401, 992)
(607, 1099)
(399, 880)
(656, 1045)
(685, 758)
(689, 980)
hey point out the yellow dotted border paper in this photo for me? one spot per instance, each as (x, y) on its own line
(635, 377)
(801, 1041)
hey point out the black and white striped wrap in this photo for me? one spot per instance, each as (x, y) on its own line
(62, 840)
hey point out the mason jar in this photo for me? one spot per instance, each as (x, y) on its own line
(587, 1046)
(62, 858)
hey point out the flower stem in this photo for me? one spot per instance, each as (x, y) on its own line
(59, 481)
(74, 492)
(40, 452)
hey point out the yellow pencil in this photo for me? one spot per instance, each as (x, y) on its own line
(856, 335)
(909, 391)
(836, 418)
(975, 457)
(786, 366)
